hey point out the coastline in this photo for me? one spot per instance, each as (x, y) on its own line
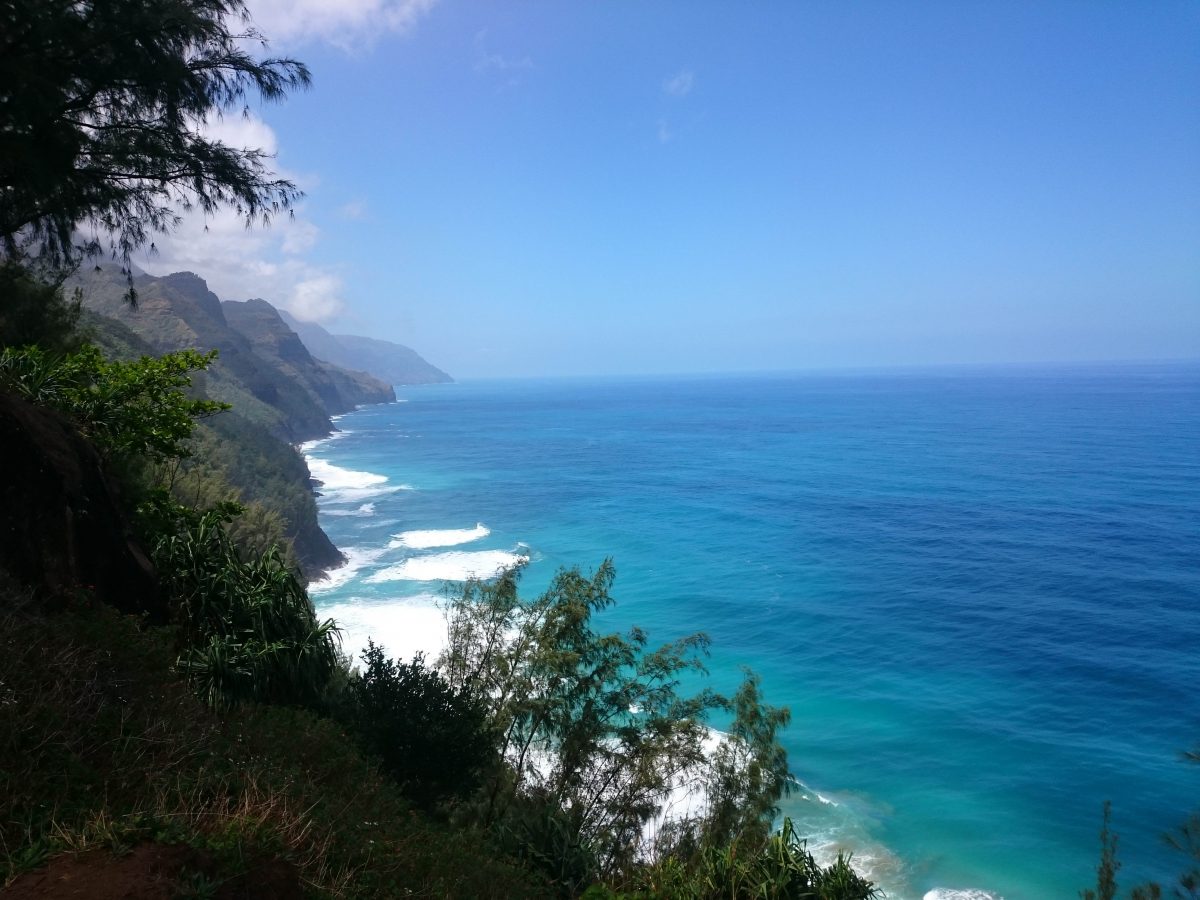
(835, 512)
(414, 623)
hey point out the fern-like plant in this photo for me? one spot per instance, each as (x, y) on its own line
(248, 631)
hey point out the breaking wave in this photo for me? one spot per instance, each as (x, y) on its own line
(342, 485)
(453, 566)
(449, 537)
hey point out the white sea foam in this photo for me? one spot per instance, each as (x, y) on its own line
(807, 793)
(456, 565)
(402, 627)
(345, 485)
(686, 798)
(367, 509)
(964, 894)
(449, 537)
(356, 559)
(308, 446)
(868, 858)
(335, 477)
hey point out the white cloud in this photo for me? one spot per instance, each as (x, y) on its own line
(347, 24)
(495, 62)
(664, 132)
(680, 84)
(243, 132)
(508, 68)
(355, 209)
(316, 299)
(241, 262)
(299, 236)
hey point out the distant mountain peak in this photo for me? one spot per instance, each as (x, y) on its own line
(394, 363)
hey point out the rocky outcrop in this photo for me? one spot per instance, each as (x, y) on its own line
(61, 523)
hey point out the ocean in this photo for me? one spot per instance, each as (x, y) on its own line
(978, 591)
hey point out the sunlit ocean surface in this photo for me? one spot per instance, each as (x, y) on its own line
(977, 591)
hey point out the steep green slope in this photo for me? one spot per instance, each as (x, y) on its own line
(234, 457)
(335, 389)
(104, 752)
(178, 311)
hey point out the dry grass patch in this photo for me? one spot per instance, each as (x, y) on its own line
(102, 748)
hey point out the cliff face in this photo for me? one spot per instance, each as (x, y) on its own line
(333, 388)
(61, 525)
(394, 363)
(281, 389)
(250, 445)
(178, 312)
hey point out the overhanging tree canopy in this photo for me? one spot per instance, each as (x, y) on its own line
(102, 107)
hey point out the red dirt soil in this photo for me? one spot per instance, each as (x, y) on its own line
(152, 872)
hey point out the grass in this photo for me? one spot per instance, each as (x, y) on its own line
(102, 747)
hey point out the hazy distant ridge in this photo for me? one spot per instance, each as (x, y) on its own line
(394, 363)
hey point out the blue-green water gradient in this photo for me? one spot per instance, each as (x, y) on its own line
(977, 591)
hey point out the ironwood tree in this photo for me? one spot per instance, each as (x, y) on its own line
(103, 113)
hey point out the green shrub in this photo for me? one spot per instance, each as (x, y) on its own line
(596, 732)
(542, 836)
(138, 409)
(430, 737)
(248, 631)
(780, 868)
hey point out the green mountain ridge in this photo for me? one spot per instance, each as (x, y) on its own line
(178, 311)
(335, 389)
(280, 394)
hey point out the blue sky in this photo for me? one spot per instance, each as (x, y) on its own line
(546, 188)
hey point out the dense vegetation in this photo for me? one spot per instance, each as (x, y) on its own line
(551, 746)
(233, 456)
(103, 748)
(226, 458)
(534, 758)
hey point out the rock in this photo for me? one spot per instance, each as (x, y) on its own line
(61, 523)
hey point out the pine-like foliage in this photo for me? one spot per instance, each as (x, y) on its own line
(103, 108)
(598, 735)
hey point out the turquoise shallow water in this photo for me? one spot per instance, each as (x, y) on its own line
(979, 592)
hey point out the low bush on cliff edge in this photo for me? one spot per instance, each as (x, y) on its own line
(247, 630)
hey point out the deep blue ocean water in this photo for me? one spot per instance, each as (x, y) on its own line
(977, 591)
